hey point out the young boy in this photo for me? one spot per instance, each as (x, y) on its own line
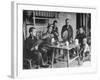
(86, 49)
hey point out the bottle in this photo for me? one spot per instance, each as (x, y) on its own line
(53, 40)
(76, 42)
(67, 43)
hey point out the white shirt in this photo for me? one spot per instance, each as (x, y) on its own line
(86, 48)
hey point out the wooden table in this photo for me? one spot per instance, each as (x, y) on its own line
(67, 48)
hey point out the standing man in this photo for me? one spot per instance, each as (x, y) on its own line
(67, 32)
(56, 35)
(55, 30)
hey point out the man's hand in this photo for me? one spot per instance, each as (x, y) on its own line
(36, 47)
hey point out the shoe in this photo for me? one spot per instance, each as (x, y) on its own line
(49, 62)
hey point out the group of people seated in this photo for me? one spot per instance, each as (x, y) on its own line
(38, 51)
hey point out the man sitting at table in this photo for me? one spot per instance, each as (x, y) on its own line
(44, 46)
(32, 48)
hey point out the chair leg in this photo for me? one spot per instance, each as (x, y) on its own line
(30, 63)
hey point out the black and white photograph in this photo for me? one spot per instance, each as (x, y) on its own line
(55, 39)
(52, 40)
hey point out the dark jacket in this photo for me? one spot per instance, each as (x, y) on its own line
(70, 32)
(55, 32)
(80, 37)
(29, 43)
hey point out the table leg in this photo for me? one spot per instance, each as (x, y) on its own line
(67, 58)
(78, 57)
(53, 57)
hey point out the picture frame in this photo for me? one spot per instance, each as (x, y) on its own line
(17, 70)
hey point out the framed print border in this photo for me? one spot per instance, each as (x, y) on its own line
(17, 31)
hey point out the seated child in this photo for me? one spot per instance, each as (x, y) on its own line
(86, 49)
